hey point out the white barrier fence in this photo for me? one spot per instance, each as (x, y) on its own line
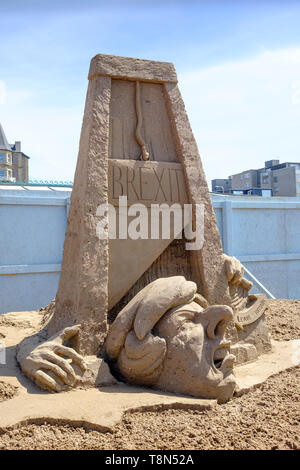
(264, 233)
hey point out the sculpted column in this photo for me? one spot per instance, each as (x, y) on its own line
(82, 295)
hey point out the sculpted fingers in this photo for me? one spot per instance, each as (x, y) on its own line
(68, 333)
(238, 276)
(57, 371)
(49, 363)
(229, 266)
(45, 381)
(246, 284)
(72, 354)
(68, 374)
(234, 271)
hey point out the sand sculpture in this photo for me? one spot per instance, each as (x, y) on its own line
(158, 314)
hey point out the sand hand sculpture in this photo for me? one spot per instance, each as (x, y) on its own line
(49, 364)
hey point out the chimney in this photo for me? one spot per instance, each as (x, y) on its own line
(18, 146)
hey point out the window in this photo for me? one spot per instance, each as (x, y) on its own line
(275, 179)
(1, 173)
(265, 180)
(2, 157)
(8, 158)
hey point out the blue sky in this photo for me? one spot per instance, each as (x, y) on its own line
(238, 64)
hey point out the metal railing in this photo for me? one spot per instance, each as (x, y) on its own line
(66, 184)
(258, 284)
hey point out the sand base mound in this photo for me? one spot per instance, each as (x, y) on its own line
(266, 417)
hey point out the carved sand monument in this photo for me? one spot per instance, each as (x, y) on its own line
(144, 310)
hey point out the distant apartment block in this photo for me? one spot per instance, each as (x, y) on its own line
(13, 162)
(277, 179)
(222, 186)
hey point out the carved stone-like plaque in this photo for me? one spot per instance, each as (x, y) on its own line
(146, 182)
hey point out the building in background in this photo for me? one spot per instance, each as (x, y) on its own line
(283, 178)
(13, 162)
(222, 186)
(275, 179)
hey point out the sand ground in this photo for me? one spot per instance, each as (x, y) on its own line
(265, 418)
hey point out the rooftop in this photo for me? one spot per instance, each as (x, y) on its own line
(4, 145)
